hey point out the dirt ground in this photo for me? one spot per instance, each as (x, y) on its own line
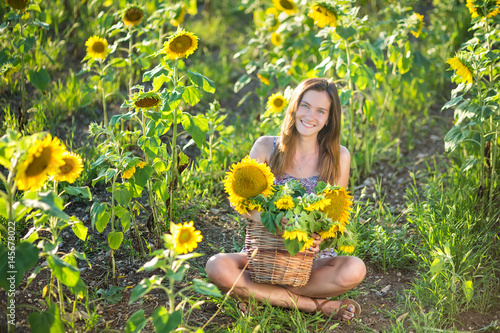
(378, 294)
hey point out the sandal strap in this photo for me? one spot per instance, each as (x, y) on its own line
(318, 305)
(343, 307)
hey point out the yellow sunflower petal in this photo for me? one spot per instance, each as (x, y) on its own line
(180, 45)
(276, 103)
(323, 14)
(72, 168)
(462, 70)
(44, 158)
(285, 203)
(247, 179)
(288, 6)
(340, 205)
(186, 237)
(97, 48)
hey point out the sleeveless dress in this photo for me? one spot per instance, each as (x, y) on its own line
(309, 184)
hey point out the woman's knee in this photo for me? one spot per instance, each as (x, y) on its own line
(220, 269)
(352, 273)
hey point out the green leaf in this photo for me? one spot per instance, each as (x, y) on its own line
(196, 126)
(345, 33)
(150, 146)
(164, 322)
(27, 44)
(40, 79)
(115, 239)
(118, 63)
(124, 216)
(293, 246)
(242, 82)
(122, 195)
(63, 271)
(202, 82)
(83, 192)
(206, 288)
(117, 117)
(141, 176)
(179, 275)
(46, 321)
(144, 287)
(136, 322)
(453, 102)
(112, 295)
(469, 163)
(18, 259)
(48, 202)
(157, 71)
(362, 76)
(79, 229)
(191, 95)
(267, 219)
(437, 266)
(159, 81)
(468, 289)
(454, 137)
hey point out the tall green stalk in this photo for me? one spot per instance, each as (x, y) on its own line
(173, 167)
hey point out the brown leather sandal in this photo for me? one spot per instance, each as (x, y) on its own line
(340, 313)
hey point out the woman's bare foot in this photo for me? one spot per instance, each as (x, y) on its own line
(344, 310)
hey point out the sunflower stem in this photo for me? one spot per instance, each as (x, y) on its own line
(103, 97)
(173, 169)
(139, 240)
(23, 103)
(113, 224)
(350, 143)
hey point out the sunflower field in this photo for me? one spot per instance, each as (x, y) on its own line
(120, 120)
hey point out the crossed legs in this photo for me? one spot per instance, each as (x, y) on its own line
(329, 277)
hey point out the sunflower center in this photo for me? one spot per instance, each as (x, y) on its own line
(278, 102)
(336, 207)
(133, 15)
(39, 163)
(184, 236)
(147, 102)
(249, 181)
(67, 167)
(286, 4)
(98, 47)
(181, 44)
(17, 4)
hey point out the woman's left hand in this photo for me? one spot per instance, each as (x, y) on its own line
(317, 242)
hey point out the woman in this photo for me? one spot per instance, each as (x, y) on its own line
(308, 149)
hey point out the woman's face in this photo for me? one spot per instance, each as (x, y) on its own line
(312, 112)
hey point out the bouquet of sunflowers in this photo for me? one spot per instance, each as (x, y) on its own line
(249, 185)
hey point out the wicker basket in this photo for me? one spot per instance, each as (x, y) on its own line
(272, 263)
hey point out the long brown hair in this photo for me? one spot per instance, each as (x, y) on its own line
(328, 136)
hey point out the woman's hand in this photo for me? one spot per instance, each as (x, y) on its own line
(317, 242)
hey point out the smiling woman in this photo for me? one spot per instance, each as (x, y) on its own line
(308, 150)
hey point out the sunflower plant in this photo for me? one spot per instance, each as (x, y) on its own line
(37, 165)
(173, 262)
(249, 185)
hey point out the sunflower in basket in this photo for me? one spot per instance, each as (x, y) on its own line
(246, 181)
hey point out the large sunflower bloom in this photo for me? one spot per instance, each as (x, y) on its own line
(247, 179)
(285, 203)
(420, 25)
(340, 205)
(132, 16)
(462, 70)
(181, 44)
(97, 48)
(483, 8)
(18, 4)
(72, 168)
(276, 103)
(186, 237)
(323, 14)
(288, 6)
(44, 158)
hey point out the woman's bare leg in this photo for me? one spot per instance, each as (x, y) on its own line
(329, 277)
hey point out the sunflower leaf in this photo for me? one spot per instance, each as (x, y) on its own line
(40, 79)
(46, 321)
(196, 126)
(206, 288)
(115, 239)
(136, 322)
(202, 81)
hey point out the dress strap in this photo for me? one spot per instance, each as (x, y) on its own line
(274, 143)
